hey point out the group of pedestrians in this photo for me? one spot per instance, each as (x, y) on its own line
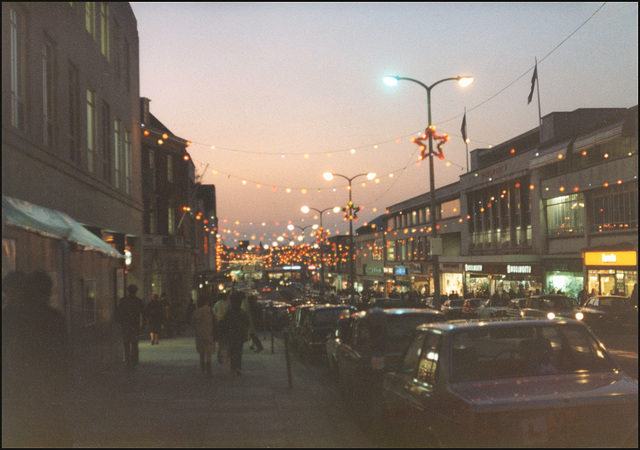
(227, 325)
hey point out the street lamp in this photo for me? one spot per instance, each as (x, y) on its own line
(370, 176)
(463, 81)
(305, 209)
(291, 227)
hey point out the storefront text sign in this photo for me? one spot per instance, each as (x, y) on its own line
(610, 258)
(473, 267)
(518, 269)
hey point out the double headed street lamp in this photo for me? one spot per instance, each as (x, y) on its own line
(305, 209)
(300, 238)
(463, 81)
(350, 213)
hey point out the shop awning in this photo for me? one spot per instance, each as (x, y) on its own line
(52, 223)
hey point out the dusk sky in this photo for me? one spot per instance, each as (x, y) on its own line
(272, 95)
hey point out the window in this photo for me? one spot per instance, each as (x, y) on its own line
(127, 65)
(48, 92)
(429, 359)
(117, 149)
(107, 164)
(170, 168)
(391, 251)
(17, 30)
(171, 217)
(128, 161)
(614, 208)
(90, 19)
(104, 29)
(565, 215)
(450, 209)
(92, 131)
(74, 114)
(412, 355)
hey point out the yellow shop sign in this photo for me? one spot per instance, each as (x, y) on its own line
(610, 258)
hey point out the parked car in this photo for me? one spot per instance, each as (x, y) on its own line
(317, 326)
(515, 306)
(494, 307)
(339, 335)
(610, 311)
(452, 309)
(506, 383)
(550, 306)
(385, 303)
(374, 346)
(295, 325)
(470, 307)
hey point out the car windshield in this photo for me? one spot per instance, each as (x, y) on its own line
(525, 350)
(613, 302)
(401, 326)
(329, 317)
(454, 303)
(499, 302)
(476, 302)
(553, 303)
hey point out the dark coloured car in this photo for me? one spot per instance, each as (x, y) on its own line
(470, 307)
(511, 383)
(317, 326)
(610, 311)
(494, 307)
(385, 303)
(374, 346)
(294, 329)
(452, 309)
(550, 306)
(340, 334)
(515, 306)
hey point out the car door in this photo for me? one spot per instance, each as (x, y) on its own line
(351, 355)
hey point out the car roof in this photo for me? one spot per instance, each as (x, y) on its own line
(501, 322)
(330, 306)
(399, 311)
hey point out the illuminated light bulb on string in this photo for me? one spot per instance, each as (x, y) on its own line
(531, 187)
(213, 147)
(576, 189)
(215, 172)
(606, 184)
(258, 185)
(561, 188)
(288, 190)
(512, 151)
(244, 181)
(186, 157)
(160, 141)
(188, 143)
(517, 185)
(165, 136)
(584, 153)
(560, 156)
(619, 181)
(303, 191)
(146, 132)
(448, 164)
(306, 156)
(606, 155)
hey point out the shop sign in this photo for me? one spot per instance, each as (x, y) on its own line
(415, 268)
(518, 269)
(388, 270)
(373, 270)
(450, 267)
(473, 267)
(610, 258)
(401, 271)
(291, 267)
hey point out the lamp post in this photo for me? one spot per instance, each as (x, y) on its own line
(370, 176)
(305, 209)
(301, 238)
(463, 81)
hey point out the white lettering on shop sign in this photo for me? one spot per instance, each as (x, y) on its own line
(609, 258)
(518, 269)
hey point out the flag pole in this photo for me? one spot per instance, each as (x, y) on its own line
(539, 110)
(466, 141)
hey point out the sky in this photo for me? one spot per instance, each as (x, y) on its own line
(273, 95)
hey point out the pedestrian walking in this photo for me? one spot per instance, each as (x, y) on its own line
(234, 330)
(220, 309)
(155, 318)
(130, 310)
(36, 358)
(204, 324)
(254, 318)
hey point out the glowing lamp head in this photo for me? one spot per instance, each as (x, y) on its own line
(290, 227)
(465, 81)
(371, 176)
(328, 176)
(579, 316)
(336, 209)
(391, 81)
(305, 209)
(551, 316)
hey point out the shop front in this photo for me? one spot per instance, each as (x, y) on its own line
(611, 272)
(451, 282)
(483, 280)
(564, 276)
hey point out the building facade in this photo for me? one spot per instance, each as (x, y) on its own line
(71, 153)
(552, 209)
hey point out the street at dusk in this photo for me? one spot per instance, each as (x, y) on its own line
(319, 224)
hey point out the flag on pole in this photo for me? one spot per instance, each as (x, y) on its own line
(463, 128)
(533, 82)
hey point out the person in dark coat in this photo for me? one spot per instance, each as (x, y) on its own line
(235, 329)
(36, 358)
(130, 310)
(155, 318)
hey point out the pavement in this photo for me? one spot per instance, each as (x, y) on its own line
(167, 402)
